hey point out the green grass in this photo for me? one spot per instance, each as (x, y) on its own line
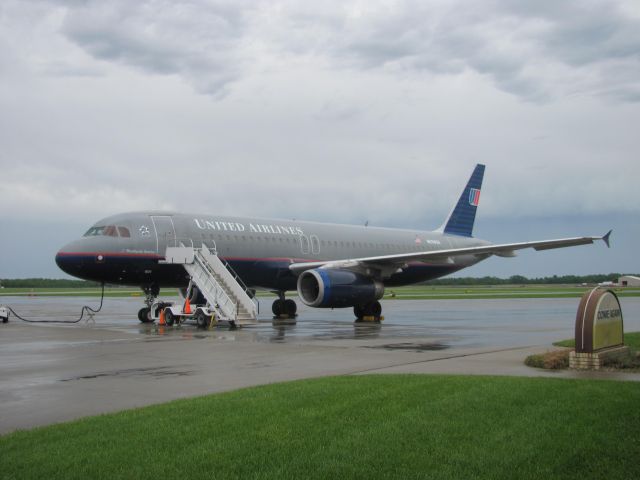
(631, 339)
(73, 292)
(432, 292)
(399, 426)
(413, 292)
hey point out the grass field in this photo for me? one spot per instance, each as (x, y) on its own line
(414, 292)
(631, 339)
(400, 426)
(418, 292)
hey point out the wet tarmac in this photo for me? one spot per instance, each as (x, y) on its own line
(56, 372)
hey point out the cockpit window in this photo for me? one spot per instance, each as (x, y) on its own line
(94, 232)
(109, 231)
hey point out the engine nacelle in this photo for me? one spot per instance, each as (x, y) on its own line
(337, 288)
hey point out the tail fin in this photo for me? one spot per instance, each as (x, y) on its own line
(461, 218)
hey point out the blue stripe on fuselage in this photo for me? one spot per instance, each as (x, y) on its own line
(271, 274)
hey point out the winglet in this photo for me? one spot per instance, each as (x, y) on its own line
(606, 238)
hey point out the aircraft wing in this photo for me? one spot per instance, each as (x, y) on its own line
(391, 263)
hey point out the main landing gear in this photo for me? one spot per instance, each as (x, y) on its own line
(284, 307)
(371, 311)
(151, 292)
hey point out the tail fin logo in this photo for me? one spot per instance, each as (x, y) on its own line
(474, 197)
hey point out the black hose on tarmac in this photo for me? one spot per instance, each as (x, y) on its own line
(85, 310)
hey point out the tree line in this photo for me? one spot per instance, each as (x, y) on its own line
(522, 280)
(451, 281)
(46, 283)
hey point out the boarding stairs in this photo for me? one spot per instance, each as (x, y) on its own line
(224, 291)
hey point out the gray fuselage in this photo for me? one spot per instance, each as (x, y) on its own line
(125, 249)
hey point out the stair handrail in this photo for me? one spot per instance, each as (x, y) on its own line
(225, 277)
(222, 298)
(235, 276)
(243, 285)
(220, 292)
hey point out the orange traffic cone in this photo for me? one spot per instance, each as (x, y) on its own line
(187, 306)
(161, 319)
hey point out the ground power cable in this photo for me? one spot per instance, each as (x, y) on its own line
(86, 309)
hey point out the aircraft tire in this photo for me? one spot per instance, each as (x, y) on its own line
(290, 307)
(373, 309)
(277, 308)
(376, 308)
(169, 317)
(358, 311)
(143, 315)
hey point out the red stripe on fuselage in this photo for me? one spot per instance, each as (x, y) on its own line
(228, 259)
(111, 254)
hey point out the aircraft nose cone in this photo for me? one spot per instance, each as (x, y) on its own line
(62, 260)
(67, 259)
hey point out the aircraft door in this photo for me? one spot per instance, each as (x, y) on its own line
(315, 244)
(165, 232)
(304, 244)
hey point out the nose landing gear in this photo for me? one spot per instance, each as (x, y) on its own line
(151, 293)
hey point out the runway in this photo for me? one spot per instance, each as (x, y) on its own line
(51, 373)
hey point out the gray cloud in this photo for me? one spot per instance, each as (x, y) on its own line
(329, 111)
(537, 51)
(199, 41)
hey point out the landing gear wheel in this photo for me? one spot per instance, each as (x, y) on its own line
(202, 320)
(143, 315)
(169, 317)
(290, 307)
(278, 307)
(373, 309)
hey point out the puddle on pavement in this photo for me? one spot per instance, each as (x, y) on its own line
(155, 372)
(413, 347)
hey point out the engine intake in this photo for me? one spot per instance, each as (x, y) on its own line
(337, 288)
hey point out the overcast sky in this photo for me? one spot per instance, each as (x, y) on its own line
(330, 111)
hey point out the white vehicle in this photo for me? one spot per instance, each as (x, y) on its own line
(4, 314)
(193, 307)
(176, 313)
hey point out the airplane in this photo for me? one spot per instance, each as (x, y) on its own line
(329, 265)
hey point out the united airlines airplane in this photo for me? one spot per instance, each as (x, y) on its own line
(330, 266)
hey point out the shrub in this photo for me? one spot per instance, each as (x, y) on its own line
(554, 360)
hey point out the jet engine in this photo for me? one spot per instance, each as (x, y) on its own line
(328, 288)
